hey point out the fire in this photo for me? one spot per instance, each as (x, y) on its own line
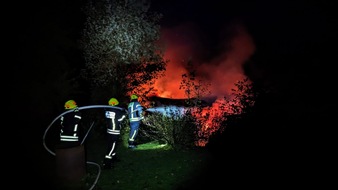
(221, 71)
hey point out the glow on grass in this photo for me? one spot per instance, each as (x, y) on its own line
(152, 145)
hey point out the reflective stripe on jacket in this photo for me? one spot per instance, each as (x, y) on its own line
(135, 111)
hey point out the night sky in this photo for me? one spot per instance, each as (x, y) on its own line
(279, 41)
(289, 45)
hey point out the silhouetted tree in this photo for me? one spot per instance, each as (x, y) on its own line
(120, 47)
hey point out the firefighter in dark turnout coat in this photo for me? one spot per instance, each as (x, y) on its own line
(114, 117)
(70, 126)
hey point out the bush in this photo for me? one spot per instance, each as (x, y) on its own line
(178, 131)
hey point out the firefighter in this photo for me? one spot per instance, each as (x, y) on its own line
(135, 114)
(70, 125)
(114, 117)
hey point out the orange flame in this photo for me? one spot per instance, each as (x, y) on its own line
(221, 72)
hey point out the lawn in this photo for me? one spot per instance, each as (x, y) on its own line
(151, 166)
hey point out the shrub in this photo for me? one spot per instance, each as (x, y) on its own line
(177, 130)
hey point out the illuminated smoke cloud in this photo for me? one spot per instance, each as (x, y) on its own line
(217, 64)
(221, 68)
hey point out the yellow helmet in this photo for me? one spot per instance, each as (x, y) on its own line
(133, 97)
(113, 102)
(70, 104)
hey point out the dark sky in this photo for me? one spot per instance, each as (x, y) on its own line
(283, 34)
(289, 45)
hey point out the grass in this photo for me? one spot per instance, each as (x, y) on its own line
(151, 166)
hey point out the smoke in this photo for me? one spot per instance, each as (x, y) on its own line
(218, 64)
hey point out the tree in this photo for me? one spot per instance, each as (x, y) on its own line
(120, 45)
